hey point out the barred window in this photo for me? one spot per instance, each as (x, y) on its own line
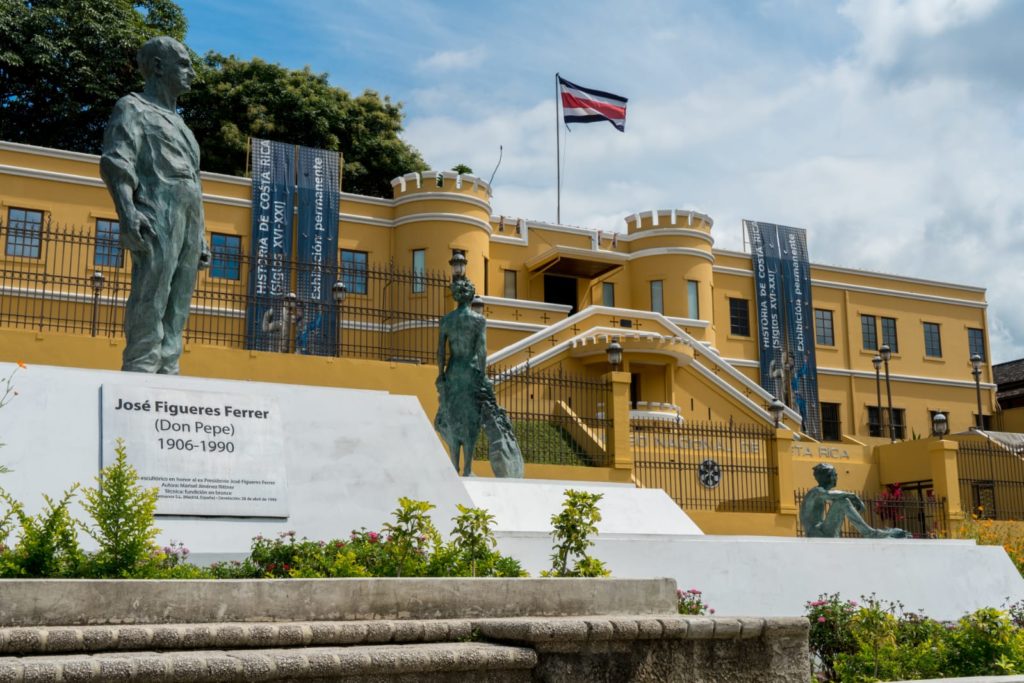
(108, 251)
(739, 317)
(824, 332)
(831, 427)
(24, 232)
(227, 256)
(869, 332)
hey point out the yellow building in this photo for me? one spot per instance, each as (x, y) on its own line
(685, 411)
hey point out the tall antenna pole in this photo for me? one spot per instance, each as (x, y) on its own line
(558, 155)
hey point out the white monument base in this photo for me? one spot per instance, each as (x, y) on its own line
(528, 504)
(775, 576)
(343, 457)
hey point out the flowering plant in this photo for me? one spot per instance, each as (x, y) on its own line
(692, 602)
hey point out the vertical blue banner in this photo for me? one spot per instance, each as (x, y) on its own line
(273, 207)
(803, 375)
(317, 251)
(764, 251)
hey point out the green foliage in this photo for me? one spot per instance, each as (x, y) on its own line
(234, 99)
(471, 551)
(123, 524)
(571, 532)
(63, 64)
(410, 537)
(463, 169)
(48, 541)
(880, 641)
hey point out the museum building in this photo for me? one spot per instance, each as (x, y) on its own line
(627, 356)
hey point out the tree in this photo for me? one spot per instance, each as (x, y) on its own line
(63, 64)
(235, 99)
(463, 169)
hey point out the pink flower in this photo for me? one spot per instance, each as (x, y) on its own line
(853, 603)
(373, 536)
(711, 611)
(821, 620)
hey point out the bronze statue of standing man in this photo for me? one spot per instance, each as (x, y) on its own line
(150, 165)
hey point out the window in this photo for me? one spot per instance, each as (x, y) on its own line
(889, 334)
(608, 294)
(824, 332)
(831, 428)
(354, 265)
(976, 341)
(878, 422)
(419, 269)
(108, 248)
(932, 340)
(983, 494)
(986, 421)
(739, 317)
(899, 421)
(511, 284)
(24, 232)
(875, 426)
(657, 302)
(692, 299)
(869, 333)
(487, 276)
(227, 252)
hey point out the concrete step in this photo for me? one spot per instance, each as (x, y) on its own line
(414, 663)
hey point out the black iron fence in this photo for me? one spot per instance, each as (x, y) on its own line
(991, 480)
(913, 510)
(559, 418)
(72, 280)
(724, 467)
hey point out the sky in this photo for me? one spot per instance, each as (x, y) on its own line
(893, 131)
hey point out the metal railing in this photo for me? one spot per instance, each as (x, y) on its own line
(724, 467)
(69, 280)
(558, 418)
(916, 511)
(991, 481)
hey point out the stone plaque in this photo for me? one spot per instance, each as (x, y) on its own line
(211, 454)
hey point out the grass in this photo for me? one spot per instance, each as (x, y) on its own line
(541, 442)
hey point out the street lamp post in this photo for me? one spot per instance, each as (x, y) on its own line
(886, 353)
(976, 371)
(458, 264)
(338, 292)
(877, 362)
(97, 286)
(940, 425)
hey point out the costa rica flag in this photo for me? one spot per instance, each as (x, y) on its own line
(585, 105)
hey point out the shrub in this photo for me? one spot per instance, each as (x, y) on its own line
(471, 551)
(830, 634)
(409, 538)
(48, 542)
(572, 528)
(692, 602)
(122, 520)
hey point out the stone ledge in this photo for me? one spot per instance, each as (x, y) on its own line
(63, 602)
(381, 662)
(24, 641)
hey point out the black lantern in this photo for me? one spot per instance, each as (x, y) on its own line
(614, 352)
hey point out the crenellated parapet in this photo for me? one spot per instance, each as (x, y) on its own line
(669, 219)
(442, 209)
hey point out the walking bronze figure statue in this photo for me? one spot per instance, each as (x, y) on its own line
(466, 395)
(150, 165)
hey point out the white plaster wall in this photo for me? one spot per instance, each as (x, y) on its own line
(528, 504)
(773, 576)
(349, 454)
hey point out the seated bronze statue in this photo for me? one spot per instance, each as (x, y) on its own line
(825, 509)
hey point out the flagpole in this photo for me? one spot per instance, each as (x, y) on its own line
(558, 153)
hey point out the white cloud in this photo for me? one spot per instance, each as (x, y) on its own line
(452, 60)
(898, 153)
